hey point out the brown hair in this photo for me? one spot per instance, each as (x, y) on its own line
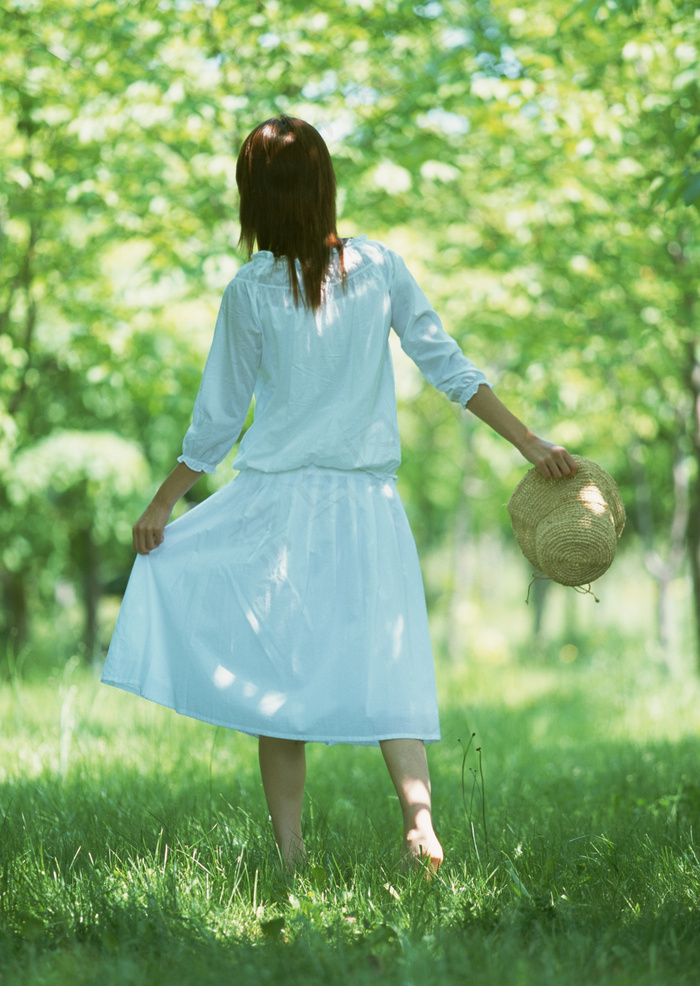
(287, 191)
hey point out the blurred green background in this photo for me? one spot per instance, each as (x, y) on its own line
(538, 165)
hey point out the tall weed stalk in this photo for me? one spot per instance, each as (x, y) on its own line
(477, 786)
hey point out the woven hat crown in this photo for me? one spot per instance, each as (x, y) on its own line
(568, 528)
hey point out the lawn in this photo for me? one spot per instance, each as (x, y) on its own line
(135, 846)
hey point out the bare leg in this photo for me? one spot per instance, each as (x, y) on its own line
(283, 772)
(408, 768)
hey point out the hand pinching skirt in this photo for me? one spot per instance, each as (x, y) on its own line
(287, 604)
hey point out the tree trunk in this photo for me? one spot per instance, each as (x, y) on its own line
(693, 385)
(462, 578)
(694, 518)
(91, 594)
(14, 597)
(463, 560)
(663, 570)
(539, 591)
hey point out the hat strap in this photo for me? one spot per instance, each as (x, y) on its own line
(585, 590)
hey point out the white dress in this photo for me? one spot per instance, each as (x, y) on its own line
(290, 603)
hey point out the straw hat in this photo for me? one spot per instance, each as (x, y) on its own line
(568, 527)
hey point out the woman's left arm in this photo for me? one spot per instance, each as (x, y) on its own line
(552, 461)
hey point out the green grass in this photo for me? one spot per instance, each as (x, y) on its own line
(135, 847)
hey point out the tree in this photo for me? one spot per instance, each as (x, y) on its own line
(84, 487)
(115, 206)
(538, 168)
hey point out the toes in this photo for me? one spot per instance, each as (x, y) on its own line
(427, 855)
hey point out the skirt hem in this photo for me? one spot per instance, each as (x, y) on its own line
(367, 740)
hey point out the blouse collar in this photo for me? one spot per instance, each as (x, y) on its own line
(269, 255)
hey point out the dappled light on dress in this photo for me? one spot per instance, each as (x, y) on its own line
(397, 637)
(271, 702)
(223, 678)
(253, 620)
(279, 572)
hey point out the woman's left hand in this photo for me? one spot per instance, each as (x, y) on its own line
(553, 461)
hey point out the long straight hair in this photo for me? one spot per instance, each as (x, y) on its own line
(287, 192)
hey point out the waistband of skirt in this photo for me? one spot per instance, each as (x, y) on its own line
(311, 470)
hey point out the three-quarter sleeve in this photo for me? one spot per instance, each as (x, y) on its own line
(437, 355)
(227, 383)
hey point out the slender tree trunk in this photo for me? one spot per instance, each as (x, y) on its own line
(14, 597)
(539, 591)
(462, 559)
(91, 594)
(693, 385)
(694, 516)
(462, 577)
(663, 570)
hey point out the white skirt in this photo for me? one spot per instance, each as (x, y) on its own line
(287, 604)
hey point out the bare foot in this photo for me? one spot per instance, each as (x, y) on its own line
(293, 856)
(422, 848)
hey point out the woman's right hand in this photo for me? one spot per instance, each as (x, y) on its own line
(147, 532)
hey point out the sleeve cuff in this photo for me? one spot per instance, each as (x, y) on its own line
(196, 464)
(471, 389)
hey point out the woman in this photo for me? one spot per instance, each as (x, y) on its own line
(289, 605)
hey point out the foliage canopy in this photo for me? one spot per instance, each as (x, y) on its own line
(539, 167)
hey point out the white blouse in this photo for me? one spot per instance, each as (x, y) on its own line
(323, 381)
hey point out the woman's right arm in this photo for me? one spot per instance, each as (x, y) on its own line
(220, 410)
(147, 532)
(228, 381)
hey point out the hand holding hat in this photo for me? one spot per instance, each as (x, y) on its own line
(568, 528)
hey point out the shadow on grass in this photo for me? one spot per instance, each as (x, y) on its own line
(548, 769)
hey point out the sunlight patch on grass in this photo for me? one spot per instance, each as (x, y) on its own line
(135, 839)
